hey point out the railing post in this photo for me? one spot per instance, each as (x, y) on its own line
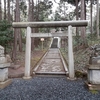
(28, 54)
(70, 53)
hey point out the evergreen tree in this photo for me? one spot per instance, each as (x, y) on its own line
(6, 33)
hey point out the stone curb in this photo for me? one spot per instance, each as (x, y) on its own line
(64, 64)
(39, 62)
(5, 83)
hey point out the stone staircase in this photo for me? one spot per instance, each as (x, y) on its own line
(54, 43)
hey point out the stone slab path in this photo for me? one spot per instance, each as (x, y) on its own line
(51, 64)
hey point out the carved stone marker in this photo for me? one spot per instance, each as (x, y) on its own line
(4, 64)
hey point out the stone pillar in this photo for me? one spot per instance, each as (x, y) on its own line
(70, 53)
(28, 54)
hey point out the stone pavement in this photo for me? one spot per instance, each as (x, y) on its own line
(51, 64)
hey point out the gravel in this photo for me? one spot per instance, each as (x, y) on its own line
(47, 88)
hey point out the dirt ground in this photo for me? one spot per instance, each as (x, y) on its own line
(35, 57)
(17, 69)
(81, 58)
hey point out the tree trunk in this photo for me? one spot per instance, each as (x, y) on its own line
(31, 18)
(17, 35)
(91, 17)
(18, 30)
(98, 19)
(29, 11)
(0, 11)
(14, 46)
(77, 15)
(5, 9)
(9, 16)
(83, 18)
(37, 15)
(12, 10)
(32, 39)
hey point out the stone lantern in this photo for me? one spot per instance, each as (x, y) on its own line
(4, 64)
(94, 71)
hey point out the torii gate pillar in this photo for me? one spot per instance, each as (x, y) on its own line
(28, 54)
(70, 54)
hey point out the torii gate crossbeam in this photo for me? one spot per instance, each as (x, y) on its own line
(74, 23)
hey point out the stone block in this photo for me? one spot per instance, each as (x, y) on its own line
(2, 55)
(92, 86)
(1, 50)
(94, 76)
(95, 60)
(3, 60)
(5, 83)
(3, 74)
(5, 65)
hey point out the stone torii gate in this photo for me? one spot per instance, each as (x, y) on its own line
(29, 25)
